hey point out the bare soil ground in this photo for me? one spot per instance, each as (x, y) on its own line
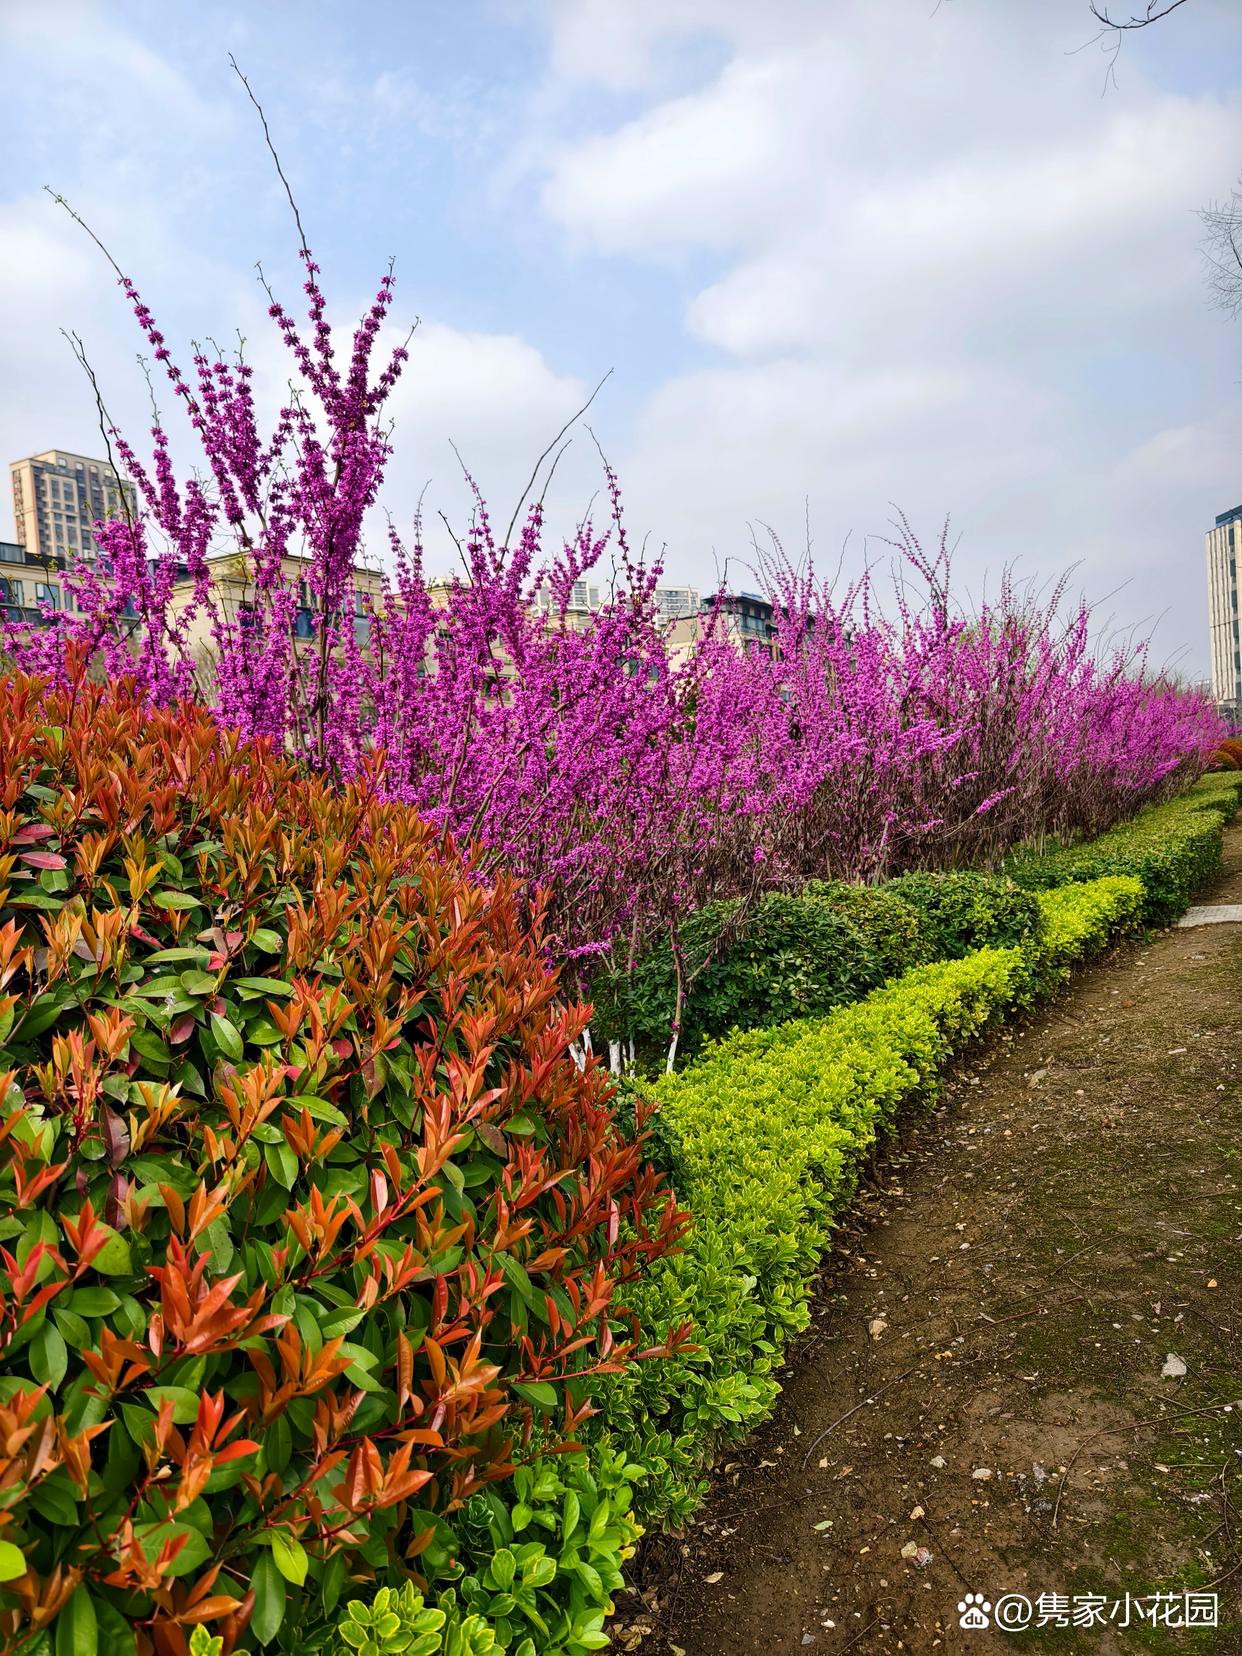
(983, 1375)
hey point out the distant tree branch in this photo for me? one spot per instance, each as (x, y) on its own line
(1222, 251)
(1114, 30)
(1153, 14)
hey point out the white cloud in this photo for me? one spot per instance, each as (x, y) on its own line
(943, 271)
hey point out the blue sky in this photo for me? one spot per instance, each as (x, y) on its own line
(838, 255)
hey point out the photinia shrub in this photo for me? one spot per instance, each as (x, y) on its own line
(311, 1221)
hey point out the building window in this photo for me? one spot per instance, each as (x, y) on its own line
(303, 624)
(47, 594)
(10, 591)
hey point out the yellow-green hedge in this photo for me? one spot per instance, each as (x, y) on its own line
(769, 1132)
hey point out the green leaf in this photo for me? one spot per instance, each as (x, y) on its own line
(319, 1109)
(276, 987)
(56, 1499)
(278, 1444)
(198, 983)
(503, 1568)
(113, 1258)
(269, 1599)
(227, 1037)
(92, 1301)
(77, 1631)
(282, 1163)
(49, 1357)
(12, 1564)
(194, 1550)
(267, 940)
(175, 900)
(184, 1402)
(219, 1244)
(116, 1635)
(538, 1392)
(333, 1581)
(150, 1047)
(516, 1276)
(290, 1556)
(158, 988)
(42, 1015)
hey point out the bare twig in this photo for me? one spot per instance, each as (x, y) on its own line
(1151, 15)
(870, 1398)
(534, 474)
(267, 136)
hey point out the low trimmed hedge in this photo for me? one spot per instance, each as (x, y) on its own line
(1172, 848)
(770, 1131)
(801, 956)
(962, 910)
(793, 957)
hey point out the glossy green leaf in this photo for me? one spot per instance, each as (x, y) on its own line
(227, 1037)
(290, 1557)
(182, 900)
(282, 1163)
(269, 1599)
(49, 1356)
(538, 1392)
(76, 1628)
(113, 1259)
(184, 1402)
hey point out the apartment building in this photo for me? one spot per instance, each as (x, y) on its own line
(57, 499)
(1224, 552)
(745, 618)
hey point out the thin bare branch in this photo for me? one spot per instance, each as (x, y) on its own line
(531, 482)
(267, 137)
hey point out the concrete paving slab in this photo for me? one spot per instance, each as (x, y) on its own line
(1212, 914)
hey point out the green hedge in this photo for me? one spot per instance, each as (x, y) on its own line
(545, 1565)
(963, 910)
(770, 1131)
(801, 956)
(1172, 848)
(794, 957)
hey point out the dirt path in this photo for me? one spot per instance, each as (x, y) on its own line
(983, 1377)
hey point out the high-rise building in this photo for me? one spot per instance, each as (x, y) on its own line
(1224, 553)
(57, 497)
(674, 601)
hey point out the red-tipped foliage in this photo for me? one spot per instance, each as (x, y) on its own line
(308, 1212)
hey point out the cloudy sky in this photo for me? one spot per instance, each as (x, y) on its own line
(841, 256)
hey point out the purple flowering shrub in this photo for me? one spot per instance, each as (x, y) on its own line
(631, 779)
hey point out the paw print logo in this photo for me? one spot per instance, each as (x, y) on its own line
(973, 1612)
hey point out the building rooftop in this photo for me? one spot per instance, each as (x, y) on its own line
(1228, 517)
